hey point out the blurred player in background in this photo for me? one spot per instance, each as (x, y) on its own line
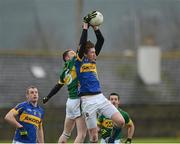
(106, 125)
(27, 118)
(93, 100)
(73, 112)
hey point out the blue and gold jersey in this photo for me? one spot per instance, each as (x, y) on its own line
(87, 76)
(30, 118)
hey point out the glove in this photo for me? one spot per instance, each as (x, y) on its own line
(45, 99)
(128, 141)
(23, 132)
(89, 16)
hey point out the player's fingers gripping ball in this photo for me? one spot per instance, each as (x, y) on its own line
(89, 16)
(92, 14)
(96, 18)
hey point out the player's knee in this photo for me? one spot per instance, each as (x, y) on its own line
(118, 120)
(94, 139)
(93, 136)
(121, 122)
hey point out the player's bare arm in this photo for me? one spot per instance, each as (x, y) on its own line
(83, 40)
(10, 117)
(130, 131)
(40, 134)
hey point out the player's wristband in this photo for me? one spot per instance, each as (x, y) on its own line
(66, 135)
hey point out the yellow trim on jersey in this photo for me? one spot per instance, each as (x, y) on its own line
(30, 119)
(78, 58)
(107, 123)
(69, 77)
(88, 67)
(73, 73)
(98, 123)
(130, 122)
(15, 111)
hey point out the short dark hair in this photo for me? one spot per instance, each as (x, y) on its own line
(30, 87)
(88, 45)
(65, 54)
(114, 94)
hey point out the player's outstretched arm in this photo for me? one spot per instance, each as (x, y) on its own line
(85, 27)
(53, 91)
(83, 40)
(100, 39)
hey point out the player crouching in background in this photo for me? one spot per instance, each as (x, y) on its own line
(105, 125)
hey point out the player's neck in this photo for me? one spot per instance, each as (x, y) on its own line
(34, 104)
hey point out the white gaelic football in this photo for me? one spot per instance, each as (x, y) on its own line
(98, 20)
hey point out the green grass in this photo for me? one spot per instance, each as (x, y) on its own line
(156, 140)
(135, 140)
(5, 141)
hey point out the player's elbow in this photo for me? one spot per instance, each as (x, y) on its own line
(7, 117)
(132, 124)
(133, 127)
(102, 39)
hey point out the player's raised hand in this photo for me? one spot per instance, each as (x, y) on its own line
(95, 27)
(45, 99)
(89, 16)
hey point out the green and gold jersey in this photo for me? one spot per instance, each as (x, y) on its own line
(68, 77)
(106, 124)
